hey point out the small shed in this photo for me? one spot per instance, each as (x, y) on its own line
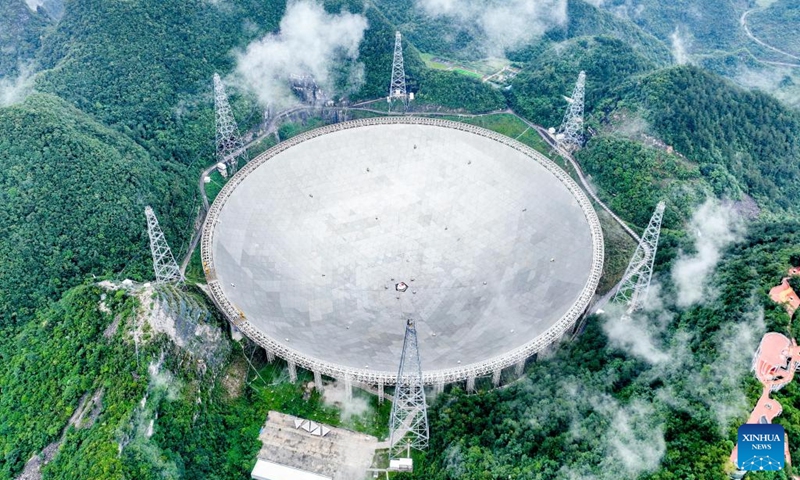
(266, 470)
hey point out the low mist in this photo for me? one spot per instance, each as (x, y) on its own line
(336, 395)
(680, 48)
(310, 42)
(506, 24)
(713, 227)
(15, 89)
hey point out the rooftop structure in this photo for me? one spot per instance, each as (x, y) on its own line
(774, 363)
(784, 294)
(266, 470)
(321, 248)
(775, 360)
(300, 449)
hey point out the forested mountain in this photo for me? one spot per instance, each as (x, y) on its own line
(538, 92)
(710, 24)
(444, 36)
(586, 20)
(144, 67)
(73, 192)
(122, 117)
(714, 34)
(20, 35)
(737, 141)
(748, 135)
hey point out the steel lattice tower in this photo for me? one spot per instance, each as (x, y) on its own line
(633, 288)
(570, 133)
(164, 264)
(408, 424)
(397, 87)
(230, 147)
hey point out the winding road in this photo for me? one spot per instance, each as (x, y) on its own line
(743, 22)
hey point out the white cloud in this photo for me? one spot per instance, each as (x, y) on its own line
(635, 436)
(34, 4)
(16, 89)
(507, 24)
(686, 381)
(310, 42)
(634, 334)
(771, 78)
(632, 435)
(639, 333)
(714, 227)
(680, 49)
(637, 441)
(335, 395)
(629, 10)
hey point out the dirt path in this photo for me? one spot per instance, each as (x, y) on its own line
(84, 416)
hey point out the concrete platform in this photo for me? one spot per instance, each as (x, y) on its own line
(340, 455)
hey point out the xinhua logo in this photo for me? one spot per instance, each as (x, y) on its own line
(761, 447)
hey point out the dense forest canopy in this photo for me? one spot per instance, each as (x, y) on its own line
(538, 92)
(448, 36)
(73, 194)
(587, 20)
(747, 134)
(711, 24)
(714, 34)
(74, 350)
(161, 53)
(629, 172)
